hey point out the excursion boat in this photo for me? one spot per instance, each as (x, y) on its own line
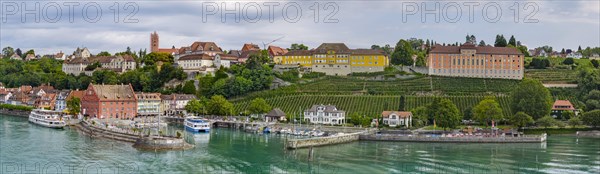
(195, 124)
(47, 118)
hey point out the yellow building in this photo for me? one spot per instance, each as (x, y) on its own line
(337, 59)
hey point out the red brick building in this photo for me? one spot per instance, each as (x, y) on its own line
(109, 101)
(469, 60)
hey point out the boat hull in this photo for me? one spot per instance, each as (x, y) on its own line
(189, 129)
(54, 126)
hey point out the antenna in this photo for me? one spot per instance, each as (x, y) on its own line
(265, 44)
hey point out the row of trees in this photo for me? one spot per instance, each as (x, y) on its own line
(218, 105)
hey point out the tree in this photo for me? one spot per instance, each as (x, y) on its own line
(104, 53)
(402, 105)
(531, 97)
(259, 106)
(420, 60)
(500, 41)
(595, 63)
(197, 106)
(152, 58)
(402, 53)
(218, 105)
(8, 51)
(420, 116)
(575, 121)
(512, 41)
(521, 119)
(546, 121)
(566, 115)
(481, 43)
(74, 105)
(487, 110)
(18, 52)
(189, 87)
(445, 113)
(296, 46)
(591, 118)
(30, 52)
(562, 51)
(568, 61)
(468, 113)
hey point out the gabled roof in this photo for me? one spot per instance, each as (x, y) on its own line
(147, 96)
(563, 105)
(276, 51)
(327, 108)
(276, 113)
(401, 114)
(100, 59)
(197, 57)
(114, 92)
(339, 48)
(76, 93)
(250, 47)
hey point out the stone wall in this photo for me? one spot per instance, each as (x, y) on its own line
(388, 137)
(321, 141)
(15, 112)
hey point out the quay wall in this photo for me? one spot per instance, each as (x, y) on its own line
(119, 135)
(593, 134)
(387, 137)
(321, 141)
(15, 112)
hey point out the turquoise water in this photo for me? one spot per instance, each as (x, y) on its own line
(27, 148)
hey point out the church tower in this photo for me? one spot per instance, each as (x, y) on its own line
(153, 42)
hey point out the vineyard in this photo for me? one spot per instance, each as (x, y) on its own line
(443, 85)
(369, 105)
(553, 75)
(372, 97)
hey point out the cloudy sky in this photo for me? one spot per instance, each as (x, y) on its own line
(65, 25)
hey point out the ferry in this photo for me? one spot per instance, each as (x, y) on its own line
(195, 124)
(47, 118)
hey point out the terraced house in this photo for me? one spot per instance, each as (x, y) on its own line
(469, 60)
(337, 59)
(148, 104)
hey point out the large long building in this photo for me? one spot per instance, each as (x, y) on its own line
(337, 59)
(469, 60)
(109, 101)
(119, 64)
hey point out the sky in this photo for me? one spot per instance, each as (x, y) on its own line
(52, 26)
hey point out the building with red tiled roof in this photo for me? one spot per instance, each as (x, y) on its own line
(154, 45)
(250, 47)
(468, 60)
(46, 101)
(397, 118)
(560, 106)
(276, 51)
(109, 101)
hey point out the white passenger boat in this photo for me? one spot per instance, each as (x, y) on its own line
(195, 124)
(47, 118)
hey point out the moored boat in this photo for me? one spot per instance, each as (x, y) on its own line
(47, 118)
(195, 124)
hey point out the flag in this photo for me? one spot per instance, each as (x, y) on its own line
(434, 123)
(493, 124)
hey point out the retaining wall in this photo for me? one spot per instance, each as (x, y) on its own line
(15, 112)
(321, 141)
(387, 137)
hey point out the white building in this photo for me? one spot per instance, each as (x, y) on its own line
(397, 118)
(148, 104)
(82, 53)
(16, 57)
(119, 64)
(175, 102)
(61, 100)
(325, 114)
(575, 55)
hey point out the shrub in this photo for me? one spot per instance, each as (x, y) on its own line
(591, 118)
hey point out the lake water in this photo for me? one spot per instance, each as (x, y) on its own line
(28, 148)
